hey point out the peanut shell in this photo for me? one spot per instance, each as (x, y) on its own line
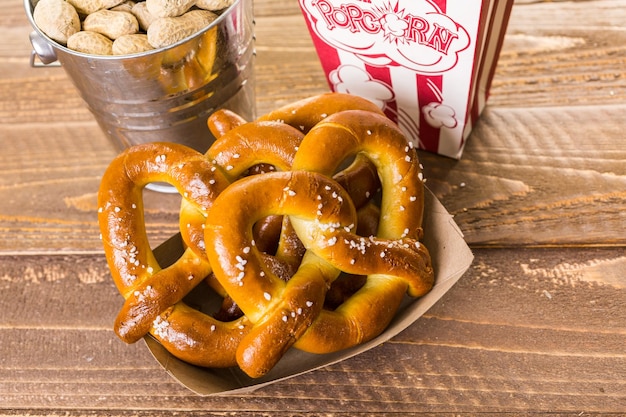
(169, 8)
(131, 44)
(90, 43)
(214, 5)
(169, 30)
(111, 24)
(58, 19)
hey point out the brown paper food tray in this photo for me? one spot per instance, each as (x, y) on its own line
(451, 258)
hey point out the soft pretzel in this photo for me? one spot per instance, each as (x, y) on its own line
(282, 311)
(324, 218)
(394, 260)
(153, 295)
(153, 302)
(241, 147)
(306, 113)
(244, 146)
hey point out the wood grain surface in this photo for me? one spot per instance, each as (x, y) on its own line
(536, 326)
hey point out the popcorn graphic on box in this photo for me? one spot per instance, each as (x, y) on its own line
(427, 63)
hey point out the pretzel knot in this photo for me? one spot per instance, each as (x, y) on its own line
(332, 227)
(324, 217)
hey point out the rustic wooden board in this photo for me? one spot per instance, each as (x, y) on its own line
(538, 176)
(524, 330)
(526, 178)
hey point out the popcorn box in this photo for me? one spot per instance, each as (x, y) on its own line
(427, 63)
(451, 257)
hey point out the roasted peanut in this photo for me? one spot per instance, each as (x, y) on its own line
(58, 19)
(111, 24)
(131, 44)
(173, 21)
(90, 43)
(169, 8)
(126, 6)
(214, 5)
(109, 4)
(86, 7)
(140, 11)
(169, 30)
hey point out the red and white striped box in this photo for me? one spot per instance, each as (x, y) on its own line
(427, 63)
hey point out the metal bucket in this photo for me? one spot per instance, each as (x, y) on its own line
(166, 94)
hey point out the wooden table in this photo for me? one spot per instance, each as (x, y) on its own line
(537, 324)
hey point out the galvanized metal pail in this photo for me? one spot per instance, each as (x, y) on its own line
(166, 94)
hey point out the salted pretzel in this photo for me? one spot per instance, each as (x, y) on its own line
(225, 161)
(306, 113)
(360, 178)
(282, 311)
(151, 305)
(324, 217)
(394, 260)
(239, 148)
(153, 295)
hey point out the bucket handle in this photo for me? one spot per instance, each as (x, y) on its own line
(42, 50)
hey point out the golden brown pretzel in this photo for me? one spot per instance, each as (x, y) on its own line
(238, 149)
(282, 311)
(324, 218)
(242, 148)
(153, 295)
(306, 113)
(249, 145)
(153, 303)
(394, 260)
(237, 139)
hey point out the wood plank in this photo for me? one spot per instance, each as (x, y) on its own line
(562, 53)
(513, 150)
(524, 330)
(48, 190)
(538, 176)
(528, 177)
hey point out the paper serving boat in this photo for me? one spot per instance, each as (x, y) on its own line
(451, 258)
